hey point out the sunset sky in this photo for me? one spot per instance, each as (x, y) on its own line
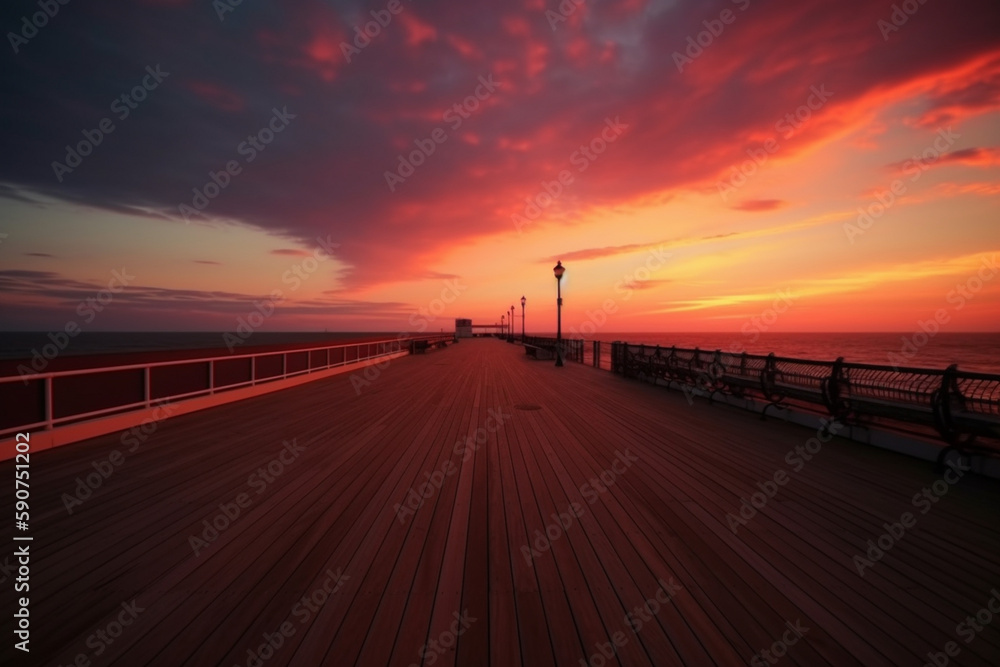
(688, 162)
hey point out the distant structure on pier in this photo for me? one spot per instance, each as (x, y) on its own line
(466, 329)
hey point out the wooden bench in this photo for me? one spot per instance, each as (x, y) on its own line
(741, 373)
(800, 380)
(421, 346)
(962, 407)
(968, 409)
(539, 351)
(881, 391)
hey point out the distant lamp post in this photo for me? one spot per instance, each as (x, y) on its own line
(503, 325)
(510, 324)
(523, 301)
(559, 270)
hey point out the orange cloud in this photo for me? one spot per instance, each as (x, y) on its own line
(758, 205)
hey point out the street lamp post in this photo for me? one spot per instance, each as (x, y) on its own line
(523, 301)
(503, 325)
(559, 270)
(511, 323)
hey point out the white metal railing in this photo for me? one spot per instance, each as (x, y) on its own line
(372, 350)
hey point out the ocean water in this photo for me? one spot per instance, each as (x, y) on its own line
(20, 344)
(971, 351)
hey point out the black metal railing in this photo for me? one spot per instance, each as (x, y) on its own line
(572, 348)
(958, 406)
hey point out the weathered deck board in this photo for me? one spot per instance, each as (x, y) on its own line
(663, 519)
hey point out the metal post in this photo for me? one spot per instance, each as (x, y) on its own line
(48, 403)
(145, 385)
(559, 354)
(522, 319)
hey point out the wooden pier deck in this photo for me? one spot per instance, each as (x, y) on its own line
(319, 561)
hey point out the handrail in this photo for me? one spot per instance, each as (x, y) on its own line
(572, 348)
(192, 360)
(208, 385)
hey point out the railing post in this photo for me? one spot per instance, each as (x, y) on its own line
(145, 385)
(211, 376)
(284, 365)
(48, 403)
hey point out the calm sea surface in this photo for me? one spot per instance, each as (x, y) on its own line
(18, 344)
(971, 351)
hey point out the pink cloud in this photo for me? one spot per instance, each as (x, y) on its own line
(417, 31)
